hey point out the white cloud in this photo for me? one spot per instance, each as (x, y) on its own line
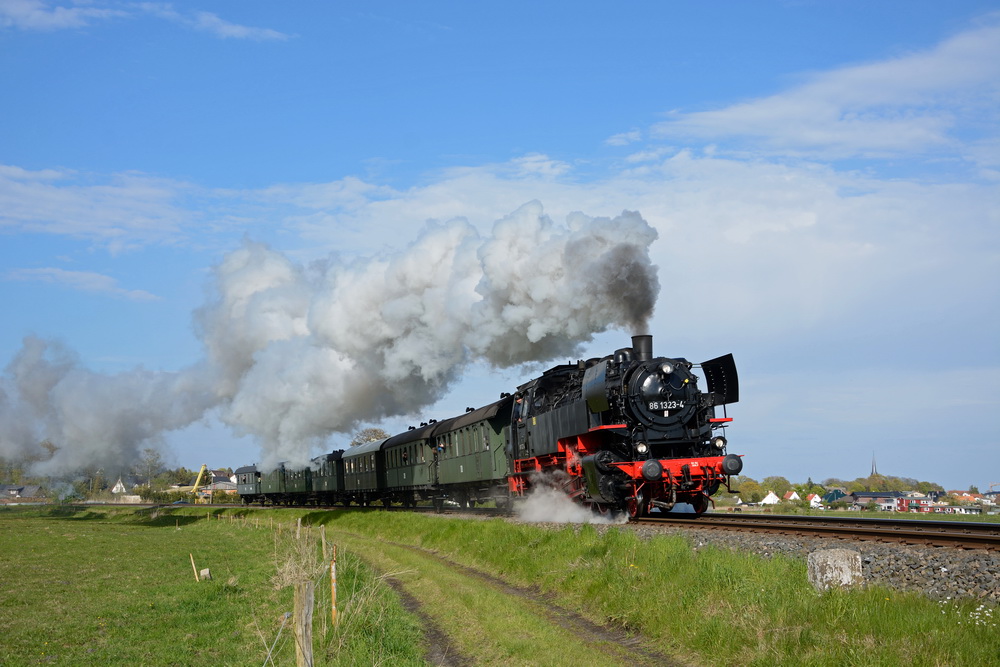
(912, 104)
(43, 16)
(209, 22)
(39, 15)
(120, 212)
(85, 281)
(624, 138)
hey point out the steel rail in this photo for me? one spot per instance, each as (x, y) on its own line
(957, 534)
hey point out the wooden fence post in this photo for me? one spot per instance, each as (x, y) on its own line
(333, 586)
(304, 596)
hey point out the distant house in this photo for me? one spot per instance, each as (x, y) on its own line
(226, 487)
(11, 492)
(833, 496)
(791, 495)
(958, 509)
(917, 503)
(886, 500)
(814, 500)
(770, 499)
(119, 487)
(220, 476)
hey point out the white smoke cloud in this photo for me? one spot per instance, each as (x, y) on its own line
(94, 420)
(306, 352)
(295, 354)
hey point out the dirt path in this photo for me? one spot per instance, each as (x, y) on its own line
(440, 650)
(472, 617)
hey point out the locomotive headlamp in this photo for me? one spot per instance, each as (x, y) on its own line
(666, 368)
(642, 448)
(719, 442)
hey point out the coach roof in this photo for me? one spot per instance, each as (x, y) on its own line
(366, 448)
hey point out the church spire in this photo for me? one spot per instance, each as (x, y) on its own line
(874, 467)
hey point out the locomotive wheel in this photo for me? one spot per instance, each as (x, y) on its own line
(699, 503)
(637, 507)
(603, 511)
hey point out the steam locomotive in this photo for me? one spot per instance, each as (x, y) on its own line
(623, 434)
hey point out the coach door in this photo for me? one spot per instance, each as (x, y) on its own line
(520, 424)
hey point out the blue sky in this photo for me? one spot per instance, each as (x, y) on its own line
(822, 179)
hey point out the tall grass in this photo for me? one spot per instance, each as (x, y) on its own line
(709, 605)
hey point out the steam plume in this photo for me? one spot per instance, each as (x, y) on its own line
(294, 354)
(93, 420)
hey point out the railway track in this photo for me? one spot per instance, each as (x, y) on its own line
(920, 532)
(955, 534)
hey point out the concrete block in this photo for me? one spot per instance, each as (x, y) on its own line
(831, 568)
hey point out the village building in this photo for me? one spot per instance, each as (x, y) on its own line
(12, 493)
(770, 499)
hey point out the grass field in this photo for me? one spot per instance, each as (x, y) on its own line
(116, 586)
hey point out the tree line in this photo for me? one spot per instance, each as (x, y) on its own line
(751, 491)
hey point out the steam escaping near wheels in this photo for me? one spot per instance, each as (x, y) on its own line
(547, 502)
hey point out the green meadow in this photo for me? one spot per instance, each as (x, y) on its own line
(117, 586)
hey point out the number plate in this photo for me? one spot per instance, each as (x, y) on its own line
(659, 406)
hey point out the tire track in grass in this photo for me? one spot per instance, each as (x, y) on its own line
(602, 644)
(628, 647)
(440, 650)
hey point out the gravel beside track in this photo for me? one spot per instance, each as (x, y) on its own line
(938, 572)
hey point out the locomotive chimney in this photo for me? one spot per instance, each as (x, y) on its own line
(643, 347)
